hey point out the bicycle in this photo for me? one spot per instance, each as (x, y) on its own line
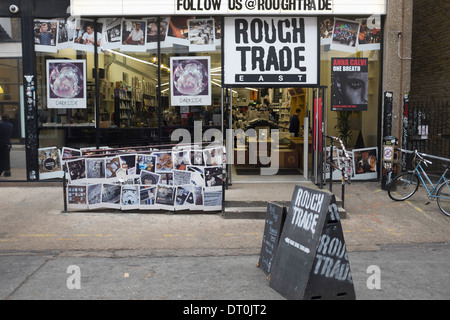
(345, 168)
(406, 184)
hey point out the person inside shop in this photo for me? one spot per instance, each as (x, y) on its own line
(136, 36)
(6, 128)
(294, 123)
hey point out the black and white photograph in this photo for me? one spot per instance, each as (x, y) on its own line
(45, 35)
(50, 163)
(365, 163)
(130, 197)
(66, 33)
(190, 81)
(197, 175)
(181, 198)
(201, 35)
(213, 176)
(197, 158)
(212, 199)
(149, 178)
(181, 177)
(77, 196)
(213, 156)
(94, 195)
(198, 196)
(111, 194)
(112, 33)
(147, 197)
(95, 169)
(166, 178)
(165, 196)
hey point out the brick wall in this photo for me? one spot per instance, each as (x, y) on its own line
(430, 68)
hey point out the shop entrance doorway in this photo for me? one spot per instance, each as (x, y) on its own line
(263, 148)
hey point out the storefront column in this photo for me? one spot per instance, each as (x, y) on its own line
(30, 103)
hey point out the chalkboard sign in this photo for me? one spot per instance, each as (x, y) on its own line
(275, 216)
(311, 261)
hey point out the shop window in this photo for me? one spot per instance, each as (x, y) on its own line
(129, 93)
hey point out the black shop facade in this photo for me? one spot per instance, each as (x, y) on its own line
(119, 74)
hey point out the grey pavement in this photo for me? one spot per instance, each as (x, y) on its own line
(163, 256)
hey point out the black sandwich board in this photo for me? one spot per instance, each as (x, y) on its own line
(275, 216)
(311, 260)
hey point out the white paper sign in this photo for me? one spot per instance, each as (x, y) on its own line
(271, 51)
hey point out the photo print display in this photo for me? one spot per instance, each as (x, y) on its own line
(111, 194)
(66, 33)
(86, 32)
(66, 84)
(45, 35)
(369, 37)
(178, 32)
(147, 197)
(50, 163)
(164, 161)
(181, 159)
(365, 163)
(201, 35)
(190, 81)
(112, 164)
(152, 32)
(112, 181)
(95, 169)
(134, 35)
(94, 195)
(148, 177)
(212, 198)
(213, 176)
(145, 162)
(213, 156)
(77, 196)
(128, 164)
(77, 170)
(165, 196)
(112, 33)
(345, 35)
(130, 197)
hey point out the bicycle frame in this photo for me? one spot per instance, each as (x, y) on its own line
(432, 190)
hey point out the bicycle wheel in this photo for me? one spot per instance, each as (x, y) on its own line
(403, 186)
(443, 198)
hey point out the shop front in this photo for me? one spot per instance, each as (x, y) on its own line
(114, 74)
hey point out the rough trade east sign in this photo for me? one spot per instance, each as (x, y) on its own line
(271, 51)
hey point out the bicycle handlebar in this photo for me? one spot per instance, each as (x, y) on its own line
(417, 154)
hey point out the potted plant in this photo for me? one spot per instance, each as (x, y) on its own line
(343, 126)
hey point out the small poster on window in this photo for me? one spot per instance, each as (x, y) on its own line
(190, 81)
(66, 84)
